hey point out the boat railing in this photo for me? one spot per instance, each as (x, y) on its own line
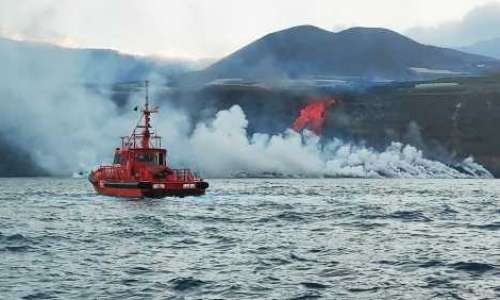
(111, 172)
(134, 141)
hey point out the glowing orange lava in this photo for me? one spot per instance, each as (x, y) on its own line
(314, 115)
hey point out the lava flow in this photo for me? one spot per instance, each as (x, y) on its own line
(314, 115)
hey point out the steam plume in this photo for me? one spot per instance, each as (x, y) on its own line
(222, 148)
(48, 112)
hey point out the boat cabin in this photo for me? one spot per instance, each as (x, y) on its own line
(151, 156)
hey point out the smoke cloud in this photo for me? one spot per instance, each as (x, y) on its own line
(481, 23)
(48, 110)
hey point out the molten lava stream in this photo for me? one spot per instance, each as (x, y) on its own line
(314, 116)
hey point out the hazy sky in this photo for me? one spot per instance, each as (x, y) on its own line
(203, 28)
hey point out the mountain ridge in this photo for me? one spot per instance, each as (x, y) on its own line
(489, 47)
(91, 65)
(368, 53)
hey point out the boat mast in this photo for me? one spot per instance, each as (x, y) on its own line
(146, 135)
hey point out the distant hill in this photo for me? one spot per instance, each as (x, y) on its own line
(86, 65)
(488, 48)
(368, 53)
(34, 72)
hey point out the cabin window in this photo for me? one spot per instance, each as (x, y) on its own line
(151, 158)
(117, 159)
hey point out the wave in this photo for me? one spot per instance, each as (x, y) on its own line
(186, 283)
(473, 267)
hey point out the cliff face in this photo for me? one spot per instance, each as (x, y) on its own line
(449, 119)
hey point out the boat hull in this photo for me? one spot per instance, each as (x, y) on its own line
(150, 190)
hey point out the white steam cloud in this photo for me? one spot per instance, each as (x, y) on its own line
(46, 110)
(222, 148)
(66, 127)
(480, 24)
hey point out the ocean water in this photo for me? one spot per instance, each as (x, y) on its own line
(253, 239)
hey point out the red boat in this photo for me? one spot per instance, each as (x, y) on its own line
(140, 167)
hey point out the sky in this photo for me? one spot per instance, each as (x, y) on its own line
(197, 29)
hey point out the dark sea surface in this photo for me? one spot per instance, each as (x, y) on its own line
(253, 239)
